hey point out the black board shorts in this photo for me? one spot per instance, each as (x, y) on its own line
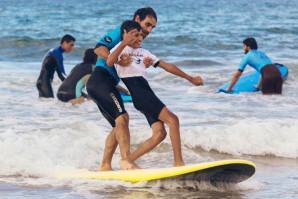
(101, 88)
(143, 98)
(271, 80)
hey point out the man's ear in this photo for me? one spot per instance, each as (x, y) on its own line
(137, 19)
(63, 44)
(123, 34)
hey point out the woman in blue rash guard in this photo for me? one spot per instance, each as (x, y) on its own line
(71, 88)
(53, 61)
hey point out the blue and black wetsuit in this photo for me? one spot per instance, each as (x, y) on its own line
(72, 86)
(101, 86)
(53, 61)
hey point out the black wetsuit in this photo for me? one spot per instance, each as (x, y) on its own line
(101, 85)
(72, 86)
(53, 61)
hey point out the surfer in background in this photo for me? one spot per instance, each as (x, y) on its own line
(101, 88)
(270, 80)
(144, 99)
(53, 61)
(71, 88)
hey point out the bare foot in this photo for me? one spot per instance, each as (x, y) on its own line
(104, 168)
(135, 166)
(126, 165)
(179, 164)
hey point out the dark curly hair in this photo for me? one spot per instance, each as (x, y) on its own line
(251, 42)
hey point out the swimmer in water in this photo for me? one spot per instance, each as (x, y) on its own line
(71, 88)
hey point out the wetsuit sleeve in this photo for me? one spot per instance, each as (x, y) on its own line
(60, 73)
(61, 66)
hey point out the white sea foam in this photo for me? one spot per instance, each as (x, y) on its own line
(247, 137)
(60, 134)
(40, 137)
(249, 185)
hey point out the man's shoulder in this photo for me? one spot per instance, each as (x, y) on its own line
(55, 51)
(112, 36)
(50, 59)
(115, 32)
(254, 51)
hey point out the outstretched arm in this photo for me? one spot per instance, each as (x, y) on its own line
(171, 68)
(234, 80)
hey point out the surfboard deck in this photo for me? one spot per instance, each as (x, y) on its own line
(225, 171)
(247, 81)
(125, 97)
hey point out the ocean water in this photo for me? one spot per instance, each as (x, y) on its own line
(40, 137)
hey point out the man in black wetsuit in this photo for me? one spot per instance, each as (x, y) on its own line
(53, 61)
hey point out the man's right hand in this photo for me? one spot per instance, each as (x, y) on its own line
(197, 81)
(125, 60)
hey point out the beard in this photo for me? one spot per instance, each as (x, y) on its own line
(145, 33)
(246, 51)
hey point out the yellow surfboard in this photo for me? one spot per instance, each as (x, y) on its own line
(227, 171)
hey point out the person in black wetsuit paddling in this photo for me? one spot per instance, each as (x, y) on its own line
(53, 61)
(71, 88)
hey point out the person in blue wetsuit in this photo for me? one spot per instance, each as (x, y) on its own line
(270, 79)
(71, 88)
(53, 61)
(102, 89)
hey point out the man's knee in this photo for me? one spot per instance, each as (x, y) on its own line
(162, 135)
(122, 120)
(167, 116)
(159, 131)
(172, 118)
